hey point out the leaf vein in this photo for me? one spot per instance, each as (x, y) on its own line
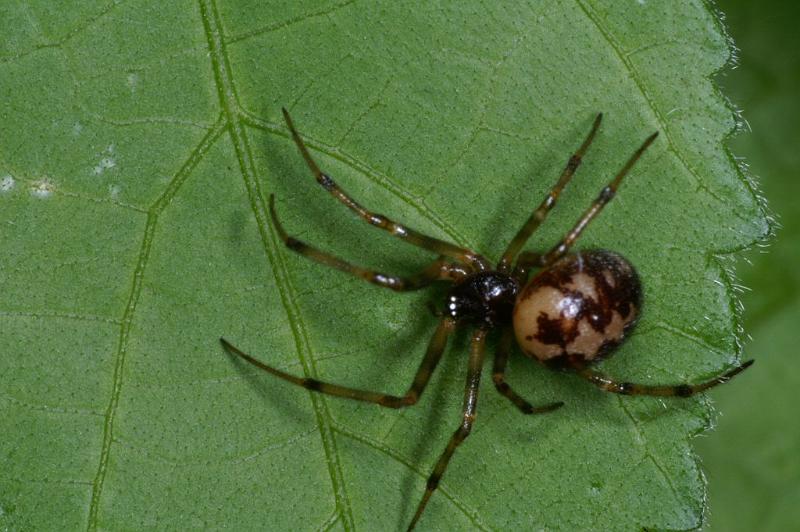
(659, 116)
(382, 448)
(153, 213)
(77, 30)
(246, 457)
(230, 39)
(229, 101)
(58, 315)
(49, 408)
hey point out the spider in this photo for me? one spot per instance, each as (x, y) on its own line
(575, 310)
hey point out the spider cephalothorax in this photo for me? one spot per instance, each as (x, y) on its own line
(485, 299)
(573, 311)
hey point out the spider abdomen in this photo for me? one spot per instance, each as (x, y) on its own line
(579, 309)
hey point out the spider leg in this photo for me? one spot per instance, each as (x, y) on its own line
(681, 390)
(526, 261)
(378, 220)
(475, 365)
(538, 216)
(432, 356)
(438, 270)
(498, 376)
(605, 196)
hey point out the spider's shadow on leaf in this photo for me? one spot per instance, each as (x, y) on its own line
(269, 388)
(539, 175)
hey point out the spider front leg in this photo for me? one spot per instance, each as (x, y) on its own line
(499, 372)
(538, 216)
(680, 390)
(474, 368)
(432, 356)
(439, 270)
(608, 192)
(411, 236)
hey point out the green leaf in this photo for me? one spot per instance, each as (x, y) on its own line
(751, 458)
(139, 144)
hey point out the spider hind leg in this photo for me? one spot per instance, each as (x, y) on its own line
(608, 384)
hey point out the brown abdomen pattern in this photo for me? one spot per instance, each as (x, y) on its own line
(579, 309)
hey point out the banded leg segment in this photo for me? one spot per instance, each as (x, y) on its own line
(499, 373)
(538, 216)
(669, 390)
(603, 198)
(439, 270)
(475, 365)
(411, 236)
(432, 356)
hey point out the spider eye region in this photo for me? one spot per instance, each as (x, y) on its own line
(579, 309)
(485, 298)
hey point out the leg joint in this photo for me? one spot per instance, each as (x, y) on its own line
(326, 181)
(410, 399)
(502, 387)
(573, 163)
(466, 427)
(294, 244)
(606, 194)
(312, 384)
(391, 401)
(378, 219)
(625, 388)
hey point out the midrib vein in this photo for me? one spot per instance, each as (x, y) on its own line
(127, 319)
(229, 102)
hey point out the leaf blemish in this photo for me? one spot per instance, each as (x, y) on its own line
(7, 183)
(42, 188)
(133, 80)
(106, 162)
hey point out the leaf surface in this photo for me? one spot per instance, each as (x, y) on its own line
(751, 458)
(139, 145)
